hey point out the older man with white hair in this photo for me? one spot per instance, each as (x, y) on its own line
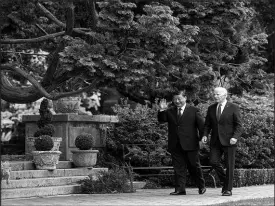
(223, 121)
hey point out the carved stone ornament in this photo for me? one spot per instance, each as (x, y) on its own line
(46, 160)
(67, 105)
(84, 158)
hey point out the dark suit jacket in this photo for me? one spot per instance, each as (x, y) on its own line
(187, 130)
(229, 125)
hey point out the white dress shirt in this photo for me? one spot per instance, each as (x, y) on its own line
(182, 109)
(222, 105)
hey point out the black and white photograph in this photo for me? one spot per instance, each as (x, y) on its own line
(137, 102)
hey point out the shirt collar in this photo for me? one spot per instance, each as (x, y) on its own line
(224, 103)
(183, 107)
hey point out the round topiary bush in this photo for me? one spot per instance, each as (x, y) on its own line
(43, 143)
(46, 130)
(84, 141)
(37, 133)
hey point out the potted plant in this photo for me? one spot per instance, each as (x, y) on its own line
(44, 157)
(84, 156)
(69, 104)
(45, 127)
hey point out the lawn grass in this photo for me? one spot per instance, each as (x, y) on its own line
(269, 201)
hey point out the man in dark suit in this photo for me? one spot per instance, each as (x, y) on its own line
(185, 129)
(223, 120)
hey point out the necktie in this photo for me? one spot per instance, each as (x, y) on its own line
(179, 113)
(219, 112)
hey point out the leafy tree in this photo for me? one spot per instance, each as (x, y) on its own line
(265, 10)
(145, 49)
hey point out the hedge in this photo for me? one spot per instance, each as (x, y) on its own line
(242, 178)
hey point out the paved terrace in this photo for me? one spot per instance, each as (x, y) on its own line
(148, 197)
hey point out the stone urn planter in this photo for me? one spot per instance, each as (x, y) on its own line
(46, 160)
(84, 158)
(67, 105)
(43, 157)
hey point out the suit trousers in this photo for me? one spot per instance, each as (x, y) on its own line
(216, 152)
(183, 160)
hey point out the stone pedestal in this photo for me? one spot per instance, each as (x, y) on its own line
(68, 126)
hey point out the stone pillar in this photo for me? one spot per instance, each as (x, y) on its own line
(68, 126)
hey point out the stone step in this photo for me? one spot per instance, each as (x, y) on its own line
(29, 165)
(40, 191)
(41, 182)
(28, 174)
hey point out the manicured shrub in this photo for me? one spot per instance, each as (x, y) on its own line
(45, 122)
(136, 126)
(242, 178)
(48, 129)
(115, 180)
(84, 141)
(43, 143)
(256, 148)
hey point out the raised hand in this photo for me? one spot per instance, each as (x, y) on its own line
(163, 104)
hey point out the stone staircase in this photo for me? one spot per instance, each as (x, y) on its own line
(26, 181)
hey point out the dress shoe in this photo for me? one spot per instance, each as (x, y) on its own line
(202, 190)
(227, 193)
(178, 193)
(223, 189)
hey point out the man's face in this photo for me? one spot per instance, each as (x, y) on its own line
(179, 100)
(219, 96)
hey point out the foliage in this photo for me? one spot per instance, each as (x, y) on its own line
(248, 177)
(84, 141)
(242, 178)
(45, 121)
(256, 148)
(114, 180)
(48, 129)
(147, 49)
(43, 143)
(136, 126)
(253, 201)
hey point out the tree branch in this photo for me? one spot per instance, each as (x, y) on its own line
(25, 53)
(16, 69)
(49, 76)
(41, 29)
(92, 10)
(66, 94)
(33, 40)
(69, 17)
(226, 41)
(59, 23)
(50, 15)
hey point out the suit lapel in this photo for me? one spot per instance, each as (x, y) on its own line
(215, 111)
(174, 112)
(225, 109)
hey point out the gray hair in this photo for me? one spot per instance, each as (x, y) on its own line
(221, 89)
